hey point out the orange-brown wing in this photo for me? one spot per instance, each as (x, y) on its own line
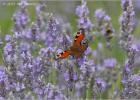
(64, 54)
(79, 37)
(79, 45)
(78, 50)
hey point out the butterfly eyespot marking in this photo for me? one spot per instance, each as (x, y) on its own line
(61, 53)
(78, 34)
(58, 56)
(64, 51)
(84, 42)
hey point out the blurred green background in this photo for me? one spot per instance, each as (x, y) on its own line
(63, 8)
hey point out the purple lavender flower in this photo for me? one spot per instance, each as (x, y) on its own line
(78, 87)
(131, 90)
(40, 7)
(24, 47)
(101, 83)
(7, 38)
(21, 19)
(99, 87)
(110, 62)
(107, 18)
(136, 78)
(53, 31)
(85, 23)
(3, 85)
(82, 12)
(3, 75)
(8, 48)
(66, 75)
(54, 93)
(99, 14)
(127, 26)
(100, 46)
(104, 25)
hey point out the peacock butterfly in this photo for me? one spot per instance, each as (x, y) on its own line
(78, 47)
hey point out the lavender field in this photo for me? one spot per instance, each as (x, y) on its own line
(69, 50)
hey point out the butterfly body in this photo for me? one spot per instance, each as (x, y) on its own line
(80, 44)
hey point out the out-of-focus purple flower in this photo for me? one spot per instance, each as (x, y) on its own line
(90, 63)
(110, 62)
(82, 10)
(23, 3)
(127, 26)
(127, 18)
(127, 69)
(99, 14)
(24, 47)
(59, 97)
(19, 86)
(136, 78)
(66, 76)
(40, 7)
(3, 76)
(100, 46)
(100, 85)
(78, 86)
(35, 31)
(94, 53)
(70, 77)
(127, 21)
(88, 67)
(26, 34)
(100, 82)
(81, 61)
(2, 98)
(75, 76)
(135, 47)
(107, 18)
(137, 3)
(104, 25)
(46, 52)
(3, 83)
(21, 19)
(53, 31)
(8, 48)
(132, 87)
(85, 23)
(7, 38)
(54, 93)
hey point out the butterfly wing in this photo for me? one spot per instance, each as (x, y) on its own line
(79, 45)
(77, 49)
(79, 37)
(64, 54)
